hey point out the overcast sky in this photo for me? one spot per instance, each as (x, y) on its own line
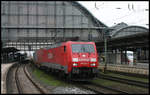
(113, 12)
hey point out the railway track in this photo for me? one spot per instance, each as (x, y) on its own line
(127, 74)
(34, 83)
(126, 81)
(100, 89)
(97, 88)
(19, 87)
(24, 83)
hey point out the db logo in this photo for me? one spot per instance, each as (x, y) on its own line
(50, 55)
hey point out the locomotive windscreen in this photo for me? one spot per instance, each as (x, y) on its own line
(80, 48)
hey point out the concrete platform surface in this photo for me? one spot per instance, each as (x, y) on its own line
(4, 70)
(139, 68)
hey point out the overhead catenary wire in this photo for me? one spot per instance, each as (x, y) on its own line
(130, 10)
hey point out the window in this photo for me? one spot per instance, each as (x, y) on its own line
(64, 48)
(129, 54)
(80, 48)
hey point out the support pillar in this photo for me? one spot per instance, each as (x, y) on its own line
(7, 59)
(115, 56)
(13, 56)
(125, 56)
(121, 56)
(145, 54)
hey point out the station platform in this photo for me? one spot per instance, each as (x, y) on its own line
(4, 70)
(139, 68)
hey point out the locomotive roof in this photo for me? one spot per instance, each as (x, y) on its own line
(61, 43)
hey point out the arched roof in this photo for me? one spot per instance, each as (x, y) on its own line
(128, 30)
(100, 24)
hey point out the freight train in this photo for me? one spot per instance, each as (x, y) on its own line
(76, 60)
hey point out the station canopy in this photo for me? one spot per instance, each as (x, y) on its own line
(9, 49)
(124, 36)
(122, 30)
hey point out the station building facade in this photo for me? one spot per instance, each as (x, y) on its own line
(30, 25)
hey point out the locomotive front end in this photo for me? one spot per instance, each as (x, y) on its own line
(84, 60)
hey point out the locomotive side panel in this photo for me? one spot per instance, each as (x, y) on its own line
(60, 58)
(54, 58)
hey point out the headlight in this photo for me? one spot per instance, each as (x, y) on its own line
(93, 64)
(75, 64)
(93, 59)
(75, 59)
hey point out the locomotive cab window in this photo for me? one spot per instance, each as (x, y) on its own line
(80, 48)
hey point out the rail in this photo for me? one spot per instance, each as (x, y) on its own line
(126, 81)
(38, 87)
(100, 89)
(19, 87)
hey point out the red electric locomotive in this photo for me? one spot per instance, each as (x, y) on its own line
(74, 59)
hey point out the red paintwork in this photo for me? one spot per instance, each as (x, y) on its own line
(58, 56)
